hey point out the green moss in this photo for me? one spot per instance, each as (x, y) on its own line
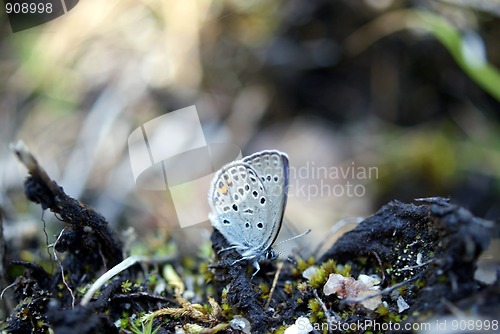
(345, 314)
(318, 280)
(321, 276)
(314, 306)
(189, 263)
(152, 279)
(224, 295)
(206, 251)
(362, 260)
(329, 266)
(126, 286)
(397, 318)
(346, 270)
(264, 289)
(382, 310)
(226, 308)
(302, 287)
(402, 289)
(422, 283)
(388, 315)
(302, 265)
(142, 326)
(124, 320)
(81, 290)
(281, 329)
(205, 272)
(314, 318)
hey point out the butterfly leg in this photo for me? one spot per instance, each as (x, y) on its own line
(226, 249)
(243, 258)
(257, 267)
(234, 262)
(255, 264)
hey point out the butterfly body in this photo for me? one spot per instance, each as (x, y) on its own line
(247, 199)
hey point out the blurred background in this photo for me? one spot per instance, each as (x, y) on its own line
(408, 90)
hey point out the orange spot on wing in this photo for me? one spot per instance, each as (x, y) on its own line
(223, 190)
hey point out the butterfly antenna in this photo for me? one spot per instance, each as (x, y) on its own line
(288, 258)
(295, 237)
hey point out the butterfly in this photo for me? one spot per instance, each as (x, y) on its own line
(247, 198)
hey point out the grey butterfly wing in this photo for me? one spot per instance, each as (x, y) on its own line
(272, 168)
(235, 213)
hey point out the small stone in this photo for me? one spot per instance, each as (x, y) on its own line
(179, 330)
(348, 287)
(309, 272)
(402, 304)
(419, 259)
(370, 281)
(241, 323)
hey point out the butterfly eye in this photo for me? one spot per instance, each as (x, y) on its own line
(270, 255)
(255, 193)
(235, 207)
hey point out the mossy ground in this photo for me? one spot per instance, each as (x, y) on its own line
(425, 254)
